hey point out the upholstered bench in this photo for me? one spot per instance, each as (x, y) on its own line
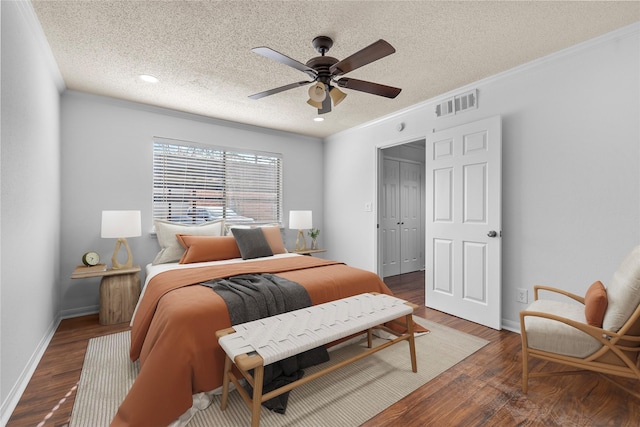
(255, 344)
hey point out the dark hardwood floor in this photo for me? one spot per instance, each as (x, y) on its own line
(484, 389)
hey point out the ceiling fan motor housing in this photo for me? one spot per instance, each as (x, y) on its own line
(322, 44)
(322, 64)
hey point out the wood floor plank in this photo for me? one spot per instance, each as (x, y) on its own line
(484, 389)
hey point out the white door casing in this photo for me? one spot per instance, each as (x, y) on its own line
(463, 216)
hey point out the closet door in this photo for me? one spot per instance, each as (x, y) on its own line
(410, 204)
(390, 218)
(401, 229)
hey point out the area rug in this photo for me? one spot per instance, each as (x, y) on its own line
(346, 397)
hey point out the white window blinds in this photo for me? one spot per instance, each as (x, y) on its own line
(193, 183)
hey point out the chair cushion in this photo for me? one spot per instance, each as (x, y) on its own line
(556, 337)
(623, 292)
(595, 304)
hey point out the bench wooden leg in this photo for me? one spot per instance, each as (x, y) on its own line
(225, 383)
(256, 403)
(412, 343)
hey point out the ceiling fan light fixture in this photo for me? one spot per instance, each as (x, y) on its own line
(336, 95)
(314, 104)
(317, 92)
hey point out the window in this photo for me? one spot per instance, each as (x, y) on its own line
(194, 183)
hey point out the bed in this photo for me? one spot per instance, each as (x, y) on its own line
(174, 324)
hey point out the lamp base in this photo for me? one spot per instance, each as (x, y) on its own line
(114, 259)
(304, 241)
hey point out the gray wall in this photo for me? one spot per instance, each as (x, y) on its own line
(30, 202)
(107, 164)
(571, 195)
(571, 167)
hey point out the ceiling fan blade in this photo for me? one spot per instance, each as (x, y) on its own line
(326, 105)
(278, 89)
(369, 87)
(371, 53)
(284, 59)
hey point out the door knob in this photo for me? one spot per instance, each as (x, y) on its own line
(492, 233)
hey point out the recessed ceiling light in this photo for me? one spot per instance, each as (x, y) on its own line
(318, 119)
(148, 78)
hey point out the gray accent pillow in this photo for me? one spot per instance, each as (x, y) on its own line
(252, 243)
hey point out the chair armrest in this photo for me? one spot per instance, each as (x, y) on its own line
(537, 288)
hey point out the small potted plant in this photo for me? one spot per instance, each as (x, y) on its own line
(314, 233)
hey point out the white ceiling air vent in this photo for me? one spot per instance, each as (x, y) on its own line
(467, 101)
(445, 108)
(458, 104)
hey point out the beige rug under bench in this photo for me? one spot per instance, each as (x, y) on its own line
(346, 397)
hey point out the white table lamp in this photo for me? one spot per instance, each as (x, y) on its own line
(300, 220)
(119, 225)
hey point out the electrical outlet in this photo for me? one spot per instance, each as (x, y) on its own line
(523, 296)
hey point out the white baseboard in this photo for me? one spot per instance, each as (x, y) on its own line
(77, 312)
(510, 325)
(13, 397)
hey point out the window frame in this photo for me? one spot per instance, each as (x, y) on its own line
(225, 182)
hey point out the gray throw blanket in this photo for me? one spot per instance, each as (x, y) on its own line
(254, 296)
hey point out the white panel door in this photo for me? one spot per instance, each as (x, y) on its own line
(410, 201)
(390, 218)
(463, 249)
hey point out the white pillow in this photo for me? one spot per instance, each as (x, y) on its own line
(170, 248)
(623, 292)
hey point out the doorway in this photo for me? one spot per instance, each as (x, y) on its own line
(401, 209)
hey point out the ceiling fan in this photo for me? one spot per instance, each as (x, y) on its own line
(323, 71)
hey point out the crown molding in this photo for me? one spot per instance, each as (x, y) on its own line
(620, 33)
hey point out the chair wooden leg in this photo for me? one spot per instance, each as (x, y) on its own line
(258, 379)
(525, 371)
(225, 383)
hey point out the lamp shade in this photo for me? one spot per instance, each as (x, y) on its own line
(300, 220)
(117, 224)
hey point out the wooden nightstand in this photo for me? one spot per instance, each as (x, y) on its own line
(119, 291)
(309, 251)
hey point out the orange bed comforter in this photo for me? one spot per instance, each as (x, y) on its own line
(173, 329)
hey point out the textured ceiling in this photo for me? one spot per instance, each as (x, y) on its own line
(201, 50)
